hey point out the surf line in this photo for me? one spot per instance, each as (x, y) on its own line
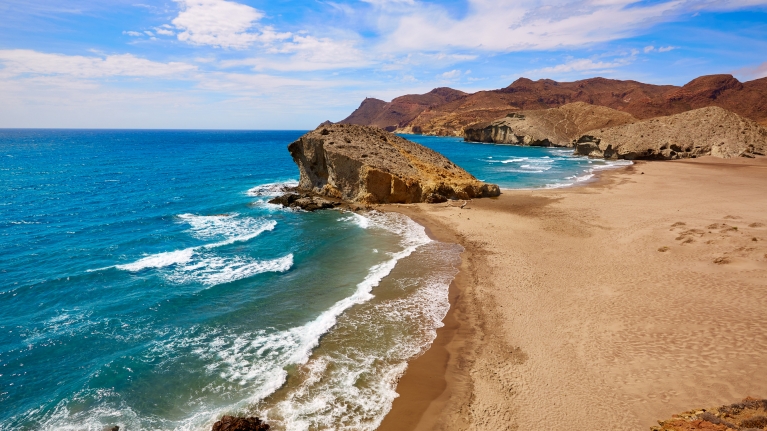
(168, 258)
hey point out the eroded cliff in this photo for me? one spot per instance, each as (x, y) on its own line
(368, 165)
(547, 127)
(701, 132)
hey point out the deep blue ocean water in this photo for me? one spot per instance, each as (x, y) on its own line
(146, 283)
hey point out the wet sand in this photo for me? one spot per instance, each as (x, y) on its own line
(604, 306)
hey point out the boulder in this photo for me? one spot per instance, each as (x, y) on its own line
(368, 165)
(231, 423)
(710, 131)
(547, 127)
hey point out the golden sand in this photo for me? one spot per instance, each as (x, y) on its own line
(601, 307)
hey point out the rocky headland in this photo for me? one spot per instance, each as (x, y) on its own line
(547, 127)
(447, 112)
(342, 164)
(710, 131)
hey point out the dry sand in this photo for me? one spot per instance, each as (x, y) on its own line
(566, 316)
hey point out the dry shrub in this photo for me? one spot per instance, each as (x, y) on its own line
(758, 422)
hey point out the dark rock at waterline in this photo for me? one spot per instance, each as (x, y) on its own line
(304, 201)
(111, 428)
(231, 423)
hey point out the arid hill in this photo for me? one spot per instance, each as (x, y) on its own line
(369, 165)
(400, 111)
(700, 132)
(448, 116)
(547, 127)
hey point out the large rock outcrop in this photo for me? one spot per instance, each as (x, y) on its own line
(369, 165)
(447, 112)
(547, 127)
(707, 131)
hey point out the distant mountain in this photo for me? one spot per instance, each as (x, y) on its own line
(444, 111)
(402, 110)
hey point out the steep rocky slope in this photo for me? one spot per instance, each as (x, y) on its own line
(450, 117)
(547, 127)
(400, 111)
(706, 131)
(369, 165)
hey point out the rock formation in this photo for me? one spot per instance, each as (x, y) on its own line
(547, 127)
(748, 415)
(447, 112)
(368, 165)
(701, 132)
(231, 423)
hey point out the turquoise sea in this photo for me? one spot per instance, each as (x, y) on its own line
(146, 283)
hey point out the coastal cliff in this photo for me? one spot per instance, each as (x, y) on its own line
(371, 166)
(702, 132)
(547, 127)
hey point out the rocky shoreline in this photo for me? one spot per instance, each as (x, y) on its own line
(361, 166)
(747, 415)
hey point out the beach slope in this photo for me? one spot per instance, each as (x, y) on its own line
(607, 306)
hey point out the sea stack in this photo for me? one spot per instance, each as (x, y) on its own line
(368, 165)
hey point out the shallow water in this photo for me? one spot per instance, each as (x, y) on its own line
(146, 283)
(514, 167)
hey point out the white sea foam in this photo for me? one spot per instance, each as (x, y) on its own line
(214, 270)
(514, 160)
(258, 360)
(353, 388)
(272, 189)
(159, 260)
(590, 172)
(227, 227)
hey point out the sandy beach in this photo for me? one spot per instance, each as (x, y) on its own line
(605, 306)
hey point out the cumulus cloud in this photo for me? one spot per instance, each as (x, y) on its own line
(666, 48)
(22, 62)
(218, 23)
(133, 33)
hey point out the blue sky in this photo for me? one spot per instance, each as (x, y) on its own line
(278, 64)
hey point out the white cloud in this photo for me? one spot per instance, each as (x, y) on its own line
(523, 25)
(754, 72)
(27, 62)
(133, 33)
(649, 48)
(666, 48)
(453, 74)
(581, 65)
(218, 23)
(164, 31)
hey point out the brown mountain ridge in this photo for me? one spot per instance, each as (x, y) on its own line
(446, 112)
